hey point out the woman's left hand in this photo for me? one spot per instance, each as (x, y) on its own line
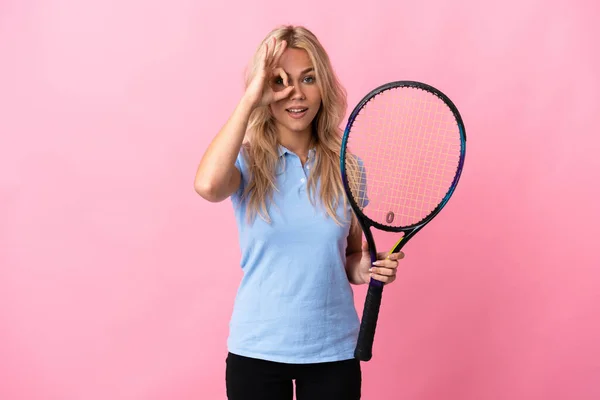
(384, 269)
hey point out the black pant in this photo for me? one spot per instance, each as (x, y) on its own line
(253, 379)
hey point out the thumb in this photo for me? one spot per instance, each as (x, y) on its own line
(284, 93)
(365, 246)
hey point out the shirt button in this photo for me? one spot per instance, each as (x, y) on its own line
(302, 180)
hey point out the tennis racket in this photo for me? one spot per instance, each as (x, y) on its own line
(402, 155)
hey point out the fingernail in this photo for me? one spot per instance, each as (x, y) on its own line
(377, 263)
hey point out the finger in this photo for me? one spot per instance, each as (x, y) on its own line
(279, 53)
(267, 57)
(273, 52)
(382, 271)
(390, 256)
(396, 256)
(388, 264)
(279, 71)
(384, 279)
(384, 266)
(282, 94)
(365, 246)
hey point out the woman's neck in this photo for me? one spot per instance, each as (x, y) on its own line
(297, 143)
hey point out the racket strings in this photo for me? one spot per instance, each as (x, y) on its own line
(404, 149)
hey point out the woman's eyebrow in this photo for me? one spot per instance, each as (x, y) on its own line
(304, 71)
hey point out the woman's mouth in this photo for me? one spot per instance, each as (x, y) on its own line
(296, 113)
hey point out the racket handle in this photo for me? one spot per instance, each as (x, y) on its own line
(366, 335)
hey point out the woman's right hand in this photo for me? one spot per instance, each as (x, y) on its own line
(260, 92)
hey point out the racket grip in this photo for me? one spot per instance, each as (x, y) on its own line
(366, 334)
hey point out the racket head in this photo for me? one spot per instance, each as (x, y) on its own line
(402, 155)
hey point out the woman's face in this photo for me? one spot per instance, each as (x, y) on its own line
(296, 112)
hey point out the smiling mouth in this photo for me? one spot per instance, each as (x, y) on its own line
(296, 113)
(296, 110)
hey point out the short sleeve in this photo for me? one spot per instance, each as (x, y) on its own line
(240, 164)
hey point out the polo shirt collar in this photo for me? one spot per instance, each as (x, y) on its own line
(282, 150)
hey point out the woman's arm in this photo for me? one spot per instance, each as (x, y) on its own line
(217, 177)
(354, 256)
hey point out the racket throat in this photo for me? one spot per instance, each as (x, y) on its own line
(397, 246)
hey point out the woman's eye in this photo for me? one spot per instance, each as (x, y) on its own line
(278, 81)
(309, 79)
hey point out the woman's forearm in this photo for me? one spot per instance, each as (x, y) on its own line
(354, 268)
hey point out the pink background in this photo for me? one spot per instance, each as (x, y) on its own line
(117, 280)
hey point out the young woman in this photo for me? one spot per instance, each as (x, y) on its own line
(294, 315)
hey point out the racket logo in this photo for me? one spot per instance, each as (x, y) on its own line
(389, 218)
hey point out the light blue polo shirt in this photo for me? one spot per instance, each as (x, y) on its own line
(294, 303)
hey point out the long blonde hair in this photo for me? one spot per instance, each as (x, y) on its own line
(260, 149)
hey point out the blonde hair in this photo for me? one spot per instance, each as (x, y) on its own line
(260, 148)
